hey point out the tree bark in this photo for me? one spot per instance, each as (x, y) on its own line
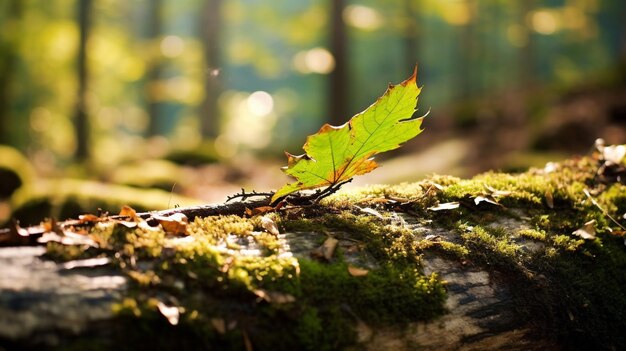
(7, 68)
(527, 69)
(81, 119)
(154, 70)
(210, 31)
(466, 62)
(338, 90)
(411, 33)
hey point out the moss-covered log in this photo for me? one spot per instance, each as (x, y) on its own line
(502, 261)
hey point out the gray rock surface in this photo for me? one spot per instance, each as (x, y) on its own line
(39, 297)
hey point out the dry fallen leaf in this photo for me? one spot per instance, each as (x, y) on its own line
(617, 232)
(269, 225)
(88, 218)
(219, 325)
(274, 297)
(356, 271)
(432, 237)
(445, 206)
(327, 249)
(128, 211)
(588, 231)
(259, 210)
(431, 184)
(488, 199)
(176, 224)
(495, 192)
(614, 154)
(246, 341)
(52, 225)
(363, 331)
(550, 167)
(549, 198)
(171, 313)
(370, 211)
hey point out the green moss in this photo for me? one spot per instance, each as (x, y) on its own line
(217, 228)
(445, 247)
(534, 234)
(385, 295)
(497, 241)
(567, 243)
(613, 199)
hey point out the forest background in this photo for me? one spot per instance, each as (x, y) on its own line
(201, 97)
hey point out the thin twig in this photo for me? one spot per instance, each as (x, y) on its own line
(330, 190)
(244, 196)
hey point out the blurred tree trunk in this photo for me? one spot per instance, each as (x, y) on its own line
(526, 53)
(411, 33)
(154, 70)
(465, 61)
(81, 119)
(338, 98)
(622, 34)
(210, 29)
(8, 60)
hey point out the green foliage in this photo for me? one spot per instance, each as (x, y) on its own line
(336, 154)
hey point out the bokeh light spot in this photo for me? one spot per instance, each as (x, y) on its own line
(317, 60)
(362, 17)
(544, 22)
(172, 46)
(260, 103)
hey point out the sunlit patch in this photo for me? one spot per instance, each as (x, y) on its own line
(573, 17)
(225, 147)
(544, 21)
(107, 117)
(53, 130)
(249, 120)
(260, 103)
(177, 88)
(316, 60)
(172, 46)
(457, 13)
(187, 135)
(362, 17)
(517, 35)
(61, 40)
(132, 69)
(40, 119)
(135, 119)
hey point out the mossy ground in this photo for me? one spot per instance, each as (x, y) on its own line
(574, 288)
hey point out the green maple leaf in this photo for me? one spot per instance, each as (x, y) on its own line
(336, 154)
